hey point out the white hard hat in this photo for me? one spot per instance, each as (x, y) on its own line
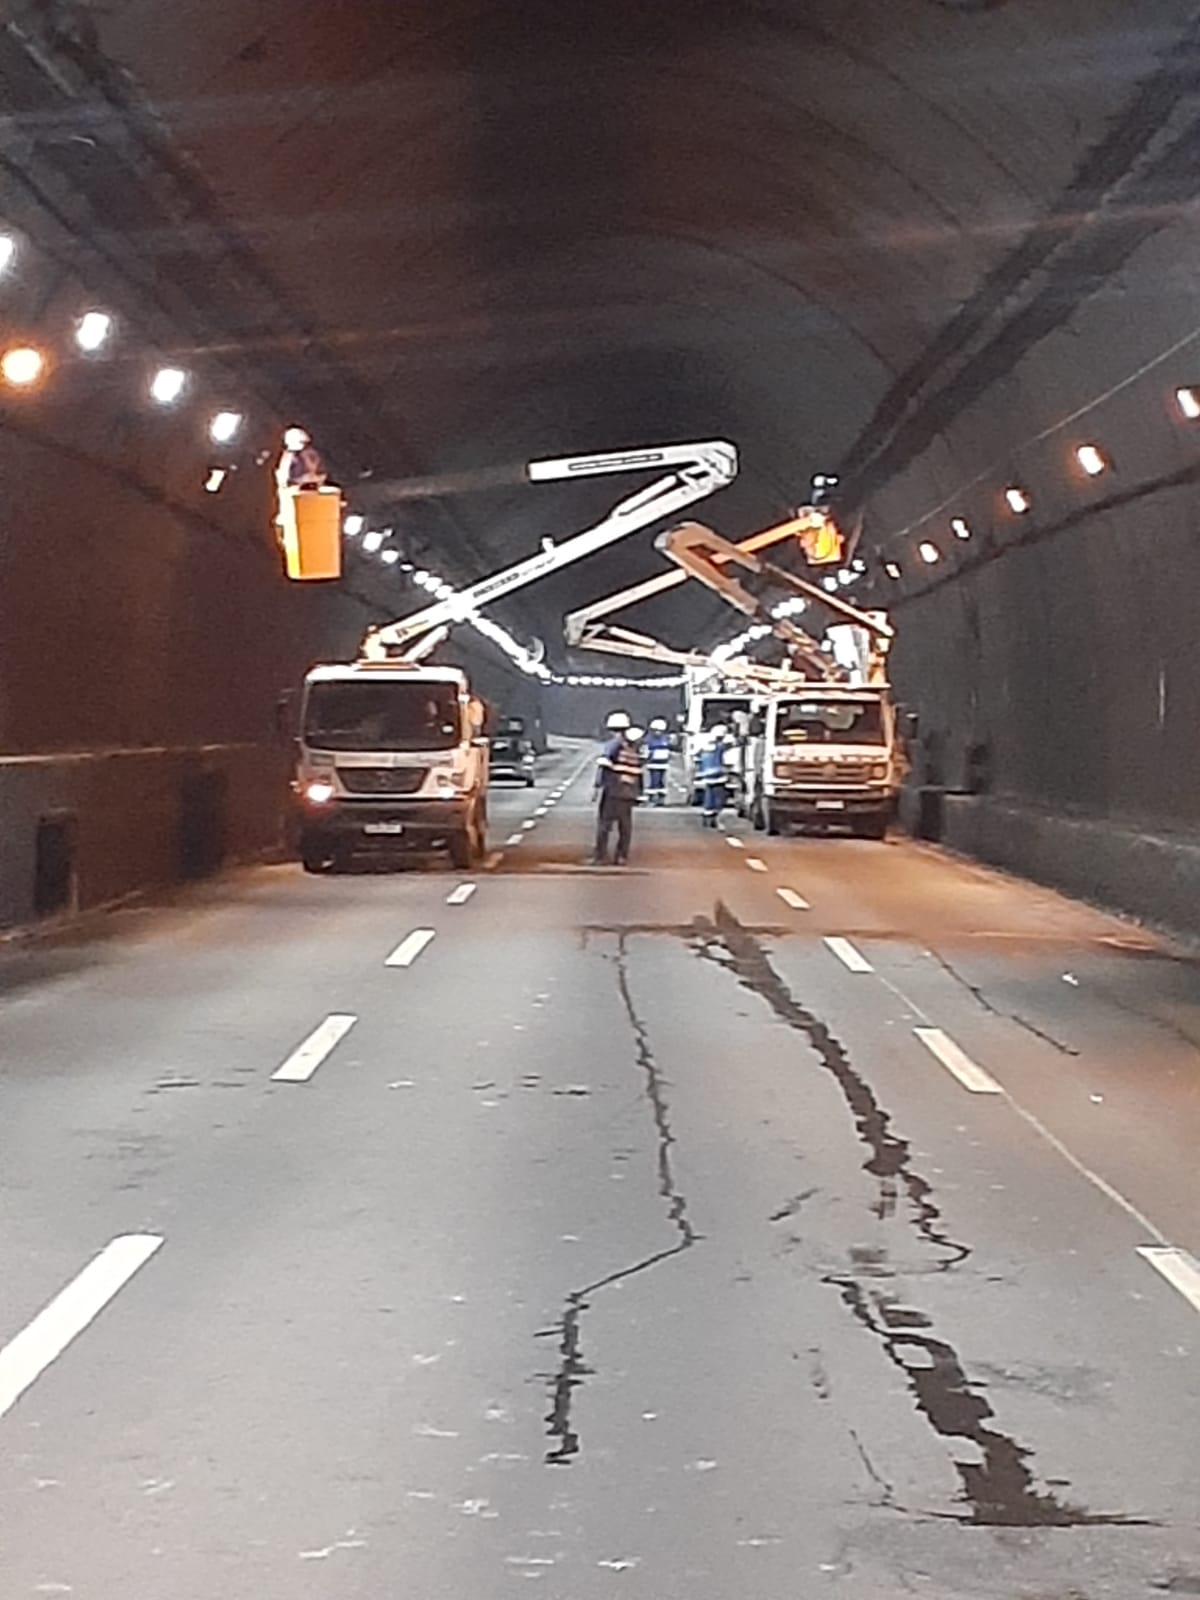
(634, 734)
(720, 731)
(659, 725)
(295, 438)
(617, 721)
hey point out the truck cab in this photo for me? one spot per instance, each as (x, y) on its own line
(824, 757)
(390, 758)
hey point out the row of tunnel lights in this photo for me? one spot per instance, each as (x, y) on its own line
(1091, 460)
(24, 366)
(374, 543)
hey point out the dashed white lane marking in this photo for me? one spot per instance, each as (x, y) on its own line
(307, 1057)
(24, 1360)
(791, 898)
(493, 861)
(755, 864)
(542, 810)
(957, 1062)
(515, 838)
(1181, 1270)
(407, 951)
(849, 956)
(530, 822)
(462, 894)
(736, 844)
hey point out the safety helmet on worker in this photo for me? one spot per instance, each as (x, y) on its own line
(658, 725)
(617, 721)
(635, 735)
(296, 438)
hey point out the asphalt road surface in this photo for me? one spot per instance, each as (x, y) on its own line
(772, 1219)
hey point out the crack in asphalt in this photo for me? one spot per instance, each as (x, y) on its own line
(1000, 1489)
(978, 995)
(889, 1158)
(573, 1369)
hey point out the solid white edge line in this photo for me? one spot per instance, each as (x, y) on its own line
(26, 1357)
(308, 1056)
(848, 955)
(1178, 1267)
(462, 894)
(791, 898)
(755, 864)
(957, 1062)
(407, 951)
(736, 844)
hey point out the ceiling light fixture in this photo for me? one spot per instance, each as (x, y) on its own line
(22, 366)
(1018, 500)
(8, 252)
(1188, 401)
(929, 553)
(167, 385)
(225, 427)
(960, 528)
(92, 331)
(353, 525)
(215, 479)
(1092, 460)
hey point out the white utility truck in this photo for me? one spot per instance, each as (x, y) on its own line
(391, 757)
(824, 756)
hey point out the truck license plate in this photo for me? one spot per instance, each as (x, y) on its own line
(831, 805)
(383, 827)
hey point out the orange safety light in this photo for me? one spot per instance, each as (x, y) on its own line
(820, 537)
(310, 522)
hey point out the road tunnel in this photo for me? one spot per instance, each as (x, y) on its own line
(790, 1213)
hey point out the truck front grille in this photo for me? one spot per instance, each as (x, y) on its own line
(381, 780)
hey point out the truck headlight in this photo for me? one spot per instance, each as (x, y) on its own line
(879, 771)
(447, 782)
(319, 792)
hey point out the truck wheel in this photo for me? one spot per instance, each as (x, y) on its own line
(316, 853)
(773, 824)
(757, 818)
(529, 780)
(466, 847)
(872, 828)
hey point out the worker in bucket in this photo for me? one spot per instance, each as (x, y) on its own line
(658, 760)
(619, 787)
(713, 778)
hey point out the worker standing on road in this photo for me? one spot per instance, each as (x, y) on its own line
(710, 769)
(658, 760)
(619, 785)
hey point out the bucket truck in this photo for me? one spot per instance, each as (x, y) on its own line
(826, 752)
(391, 753)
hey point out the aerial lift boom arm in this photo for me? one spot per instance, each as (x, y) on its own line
(698, 470)
(577, 623)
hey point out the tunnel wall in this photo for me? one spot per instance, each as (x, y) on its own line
(144, 642)
(1055, 658)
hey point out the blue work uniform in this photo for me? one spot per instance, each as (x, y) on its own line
(658, 760)
(714, 785)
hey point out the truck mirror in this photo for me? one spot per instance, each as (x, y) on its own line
(285, 707)
(911, 725)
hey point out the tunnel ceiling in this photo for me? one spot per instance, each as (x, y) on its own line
(455, 235)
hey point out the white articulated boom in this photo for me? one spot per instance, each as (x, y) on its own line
(695, 471)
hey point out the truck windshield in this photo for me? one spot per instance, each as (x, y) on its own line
(382, 716)
(720, 709)
(829, 722)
